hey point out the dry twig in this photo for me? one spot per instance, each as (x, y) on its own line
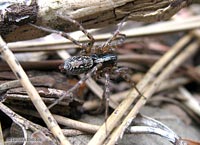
(149, 30)
(189, 100)
(70, 123)
(33, 94)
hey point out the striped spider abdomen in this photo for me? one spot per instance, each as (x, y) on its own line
(76, 65)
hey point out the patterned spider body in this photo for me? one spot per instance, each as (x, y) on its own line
(82, 64)
(77, 65)
(100, 62)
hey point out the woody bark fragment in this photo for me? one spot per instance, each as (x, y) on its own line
(91, 14)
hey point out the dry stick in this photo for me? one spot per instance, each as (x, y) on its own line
(35, 80)
(189, 100)
(187, 53)
(153, 29)
(33, 94)
(165, 27)
(91, 128)
(73, 132)
(70, 123)
(115, 117)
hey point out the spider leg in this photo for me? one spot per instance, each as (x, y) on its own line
(87, 47)
(116, 33)
(90, 37)
(104, 102)
(120, 40)
(111, 46)
(77, 85)
(123, 73)
(64, 34)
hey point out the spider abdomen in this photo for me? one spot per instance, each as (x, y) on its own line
(82, 64)
(77, 65)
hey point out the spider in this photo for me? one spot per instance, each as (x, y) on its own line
(103, 61)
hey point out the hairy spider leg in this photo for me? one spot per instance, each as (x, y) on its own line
(64, 34)
(114, 36)
(90, 37)
(119, 40)
(77, 85)
(112, 45)
(123, 73)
